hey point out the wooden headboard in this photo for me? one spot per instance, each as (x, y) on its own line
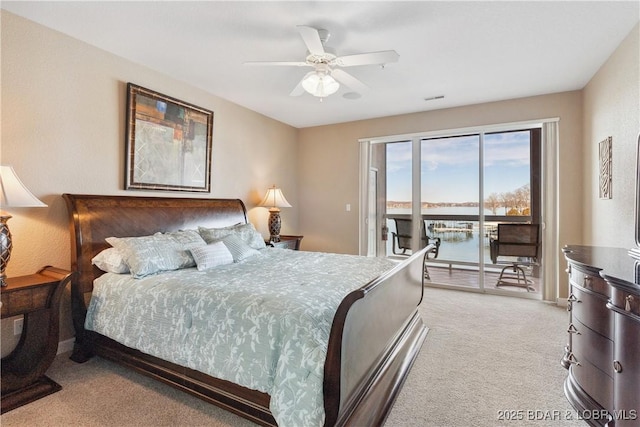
(94, 218)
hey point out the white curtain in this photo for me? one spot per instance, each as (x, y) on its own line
(550, 250)
(365, 155)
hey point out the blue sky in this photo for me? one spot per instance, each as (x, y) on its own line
(449, 167)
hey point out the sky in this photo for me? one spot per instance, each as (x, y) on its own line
(449, 167)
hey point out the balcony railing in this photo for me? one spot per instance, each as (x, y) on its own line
(460, 236)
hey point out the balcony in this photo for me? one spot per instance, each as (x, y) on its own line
(458, 259)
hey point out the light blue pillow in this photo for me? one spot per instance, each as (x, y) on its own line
(159, 252)
(212, 255)
(246, 232)
(239, 249)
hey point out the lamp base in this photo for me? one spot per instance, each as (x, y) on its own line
(5, 247)
(275, 222)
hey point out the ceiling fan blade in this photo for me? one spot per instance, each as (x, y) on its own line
(350, 81)
(270, 63)
(298, 90)
(383, 57)
(311, 38)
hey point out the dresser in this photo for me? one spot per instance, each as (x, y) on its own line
(602, 353)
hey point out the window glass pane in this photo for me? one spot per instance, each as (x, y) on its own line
(399, 199)
(507, 173)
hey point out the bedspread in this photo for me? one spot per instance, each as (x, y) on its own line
(263, 323)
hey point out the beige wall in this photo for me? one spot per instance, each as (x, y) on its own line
(63, 131)
(330, 181)
(608, 106)
(63, 127)
(612, 108)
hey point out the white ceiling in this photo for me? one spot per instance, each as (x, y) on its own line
(470, 52)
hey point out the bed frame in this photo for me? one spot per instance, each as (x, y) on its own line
(375, 337)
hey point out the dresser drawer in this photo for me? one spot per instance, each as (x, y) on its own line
(593, 347)
(594, 382)
(625, 301)
(588, 281)
(627, 366)
(591, 310)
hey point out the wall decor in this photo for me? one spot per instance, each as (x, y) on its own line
(604, 149)
(168, 143)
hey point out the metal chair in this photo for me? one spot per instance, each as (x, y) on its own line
(401, 240)
(516, 240)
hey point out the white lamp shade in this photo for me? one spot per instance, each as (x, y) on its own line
(274, 199)
(13, 193)
(320, 84)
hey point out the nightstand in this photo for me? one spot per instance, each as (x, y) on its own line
(37, 297)
(287, 242)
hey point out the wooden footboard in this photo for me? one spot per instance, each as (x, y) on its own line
(375, 337)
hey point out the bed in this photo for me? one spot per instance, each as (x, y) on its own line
(373, 337)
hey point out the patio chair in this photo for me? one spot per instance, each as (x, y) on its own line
(401, 240)
(521, 241)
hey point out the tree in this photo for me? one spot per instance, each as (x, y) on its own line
(516, 202)
(493, 202)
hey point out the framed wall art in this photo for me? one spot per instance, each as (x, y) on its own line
(168, 143)
(604, 150)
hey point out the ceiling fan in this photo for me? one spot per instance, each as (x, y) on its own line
(327, 75)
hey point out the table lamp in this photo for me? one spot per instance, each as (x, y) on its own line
(13, 194)
(274, 200)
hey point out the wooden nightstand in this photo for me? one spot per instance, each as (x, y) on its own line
(287, 242)
(37, 297)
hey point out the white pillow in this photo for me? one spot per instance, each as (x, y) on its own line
(239, 249)
(212, 255)
(111, 261)
(160, 252)
(246, 232)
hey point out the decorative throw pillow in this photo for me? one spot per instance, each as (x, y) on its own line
(159, 252)
(111, 261)
(246, 232)
(239, 249)
(212, 255)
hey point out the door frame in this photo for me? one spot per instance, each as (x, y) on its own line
(549, 188)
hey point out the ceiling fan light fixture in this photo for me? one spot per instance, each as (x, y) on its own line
(320, 84)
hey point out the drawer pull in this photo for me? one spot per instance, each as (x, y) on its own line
(568, 270)
(572, 330)
(587, 282)
(572, 360)
(627, 302)
(572, 298)
(617, 366)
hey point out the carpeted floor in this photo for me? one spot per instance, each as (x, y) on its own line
(487, 361)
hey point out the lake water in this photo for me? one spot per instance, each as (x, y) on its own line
(458, 243)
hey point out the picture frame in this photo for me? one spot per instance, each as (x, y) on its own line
(604, 157)
(168, 143)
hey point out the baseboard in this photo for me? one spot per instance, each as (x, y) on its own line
(65, 346)
(561, 302)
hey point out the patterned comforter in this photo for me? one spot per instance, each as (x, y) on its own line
(263, 323)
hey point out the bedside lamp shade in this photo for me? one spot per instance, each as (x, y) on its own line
(274, 200)
(13, 194)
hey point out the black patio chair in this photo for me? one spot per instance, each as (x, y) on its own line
(401, 240)
(521, 241)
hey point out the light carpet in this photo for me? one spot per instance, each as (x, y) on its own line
(487, 361)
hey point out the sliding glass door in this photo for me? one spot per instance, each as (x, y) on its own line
(450, 207)
(457, 189)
